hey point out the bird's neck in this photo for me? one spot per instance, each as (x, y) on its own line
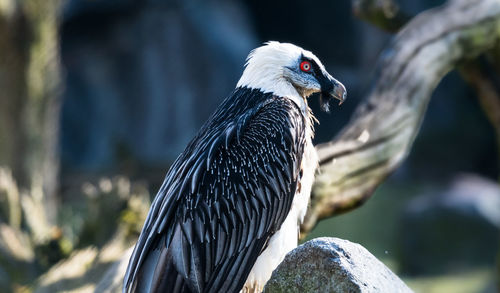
(286, 90)
(278, 86)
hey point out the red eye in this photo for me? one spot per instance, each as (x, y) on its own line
(305, 66)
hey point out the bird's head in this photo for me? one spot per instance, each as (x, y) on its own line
(290, 71)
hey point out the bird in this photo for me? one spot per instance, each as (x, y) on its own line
(230, 206)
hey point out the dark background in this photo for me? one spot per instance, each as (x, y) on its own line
(142, 77)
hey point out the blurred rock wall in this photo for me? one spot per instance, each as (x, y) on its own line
(142, 77)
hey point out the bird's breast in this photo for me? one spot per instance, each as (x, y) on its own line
(286, 239)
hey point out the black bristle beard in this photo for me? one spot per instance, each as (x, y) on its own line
(324, 102)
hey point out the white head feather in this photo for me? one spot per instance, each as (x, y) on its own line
(268, 68)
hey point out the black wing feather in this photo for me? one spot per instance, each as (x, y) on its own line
(223, 198)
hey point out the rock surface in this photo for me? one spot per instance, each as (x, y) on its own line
(333, 265)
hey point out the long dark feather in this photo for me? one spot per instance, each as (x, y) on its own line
(223, 198)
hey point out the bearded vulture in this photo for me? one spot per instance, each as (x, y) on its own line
(230, 206)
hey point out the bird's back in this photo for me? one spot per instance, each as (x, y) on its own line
(223, 198)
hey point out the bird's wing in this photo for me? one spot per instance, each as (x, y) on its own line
(223, 199)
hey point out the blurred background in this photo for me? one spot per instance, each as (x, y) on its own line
(99, 97)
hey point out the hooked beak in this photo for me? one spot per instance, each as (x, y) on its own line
(331, 88)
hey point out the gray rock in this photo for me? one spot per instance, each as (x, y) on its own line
(451, 229)
(333, 265)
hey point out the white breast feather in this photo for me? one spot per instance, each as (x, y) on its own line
(286, 239)
(264, 71)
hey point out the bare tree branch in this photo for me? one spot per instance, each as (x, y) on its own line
(385, 14)
(383, 127)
